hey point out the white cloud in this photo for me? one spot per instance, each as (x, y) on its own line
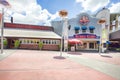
(115, 8)
(93, 5)
(29, 12)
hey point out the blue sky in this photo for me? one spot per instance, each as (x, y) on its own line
(42, 12)
(56, 5)
(70, 5)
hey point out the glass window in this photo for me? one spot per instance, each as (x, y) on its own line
(31, 41)
(91, 45)
(55, 42)
(52, 41)
(43, 42)
(46, 41)
(83, 31)
(27, 41)
(49, 41)
(85, 45)
(76, 31)
(91, 31)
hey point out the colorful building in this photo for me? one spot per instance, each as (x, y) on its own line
(86, 28)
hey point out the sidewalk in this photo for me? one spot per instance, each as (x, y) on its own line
(6, 53)
(106, 63)
(46, 65)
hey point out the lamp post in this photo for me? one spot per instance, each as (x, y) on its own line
(102, 22)
(63, 14)
(6, 4)
(2, 26)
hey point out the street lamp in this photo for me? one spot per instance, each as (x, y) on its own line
(5, 4)
(101, 21)
(63, 14)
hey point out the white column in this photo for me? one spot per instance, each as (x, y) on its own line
(88, 45)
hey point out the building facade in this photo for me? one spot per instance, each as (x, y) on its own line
(84, 27)
(29, 36)
(115, 31)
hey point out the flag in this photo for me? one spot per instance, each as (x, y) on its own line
(4, 3)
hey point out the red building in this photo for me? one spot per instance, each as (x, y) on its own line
(29, 36)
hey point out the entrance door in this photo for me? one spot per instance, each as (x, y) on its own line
(91, 45)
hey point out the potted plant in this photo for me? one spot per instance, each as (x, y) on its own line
(16, 44)
(5, 43)
(40, 45)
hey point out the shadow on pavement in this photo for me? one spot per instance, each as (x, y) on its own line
(106, 56)
(59, 57)
(75, 53)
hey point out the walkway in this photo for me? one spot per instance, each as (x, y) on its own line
(46, 65)
(106, 63)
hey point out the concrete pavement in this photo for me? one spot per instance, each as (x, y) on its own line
(46, 65)
(106, 63)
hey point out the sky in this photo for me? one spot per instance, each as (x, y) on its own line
(42, 12)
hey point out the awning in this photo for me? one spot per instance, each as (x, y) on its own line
(29, 33)
(108, 42)
(74, 41)
(84, 27)
(77, 28)
(91, 27)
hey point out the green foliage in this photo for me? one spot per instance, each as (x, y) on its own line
(59, 46)
(16, 43)
(5, 42)
(40, 45)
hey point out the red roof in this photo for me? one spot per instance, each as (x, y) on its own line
(27, 26)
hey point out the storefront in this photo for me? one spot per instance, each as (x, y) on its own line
(89, 41)
(85, 28)
(29, 36)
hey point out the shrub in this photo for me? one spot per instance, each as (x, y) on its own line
(16, 44)
(40, 45)
(5, 42)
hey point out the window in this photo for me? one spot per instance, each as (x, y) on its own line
(85, 45)
(83, 31)
(76, 28)
(76, 31)
(91, 45)
(92, 31)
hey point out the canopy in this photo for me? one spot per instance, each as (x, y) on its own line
(74, 41)
(84, 27)
(77, 28)
(91, 27)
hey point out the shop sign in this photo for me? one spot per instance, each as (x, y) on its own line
(85, 36)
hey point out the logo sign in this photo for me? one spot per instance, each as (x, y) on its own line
(84, 20)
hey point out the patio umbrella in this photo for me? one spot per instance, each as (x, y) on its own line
(74, 41)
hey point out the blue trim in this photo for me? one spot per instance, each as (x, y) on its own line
(91, 27)
(84, 27)
(77, 28)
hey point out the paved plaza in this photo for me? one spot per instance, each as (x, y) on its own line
(47, 65)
